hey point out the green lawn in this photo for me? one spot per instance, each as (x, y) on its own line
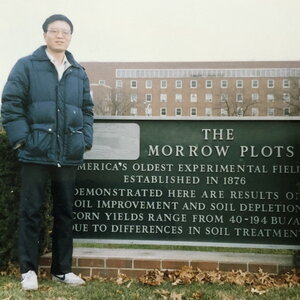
(134, 290)
(113, 289)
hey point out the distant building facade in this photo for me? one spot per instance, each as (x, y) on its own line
(191, 89)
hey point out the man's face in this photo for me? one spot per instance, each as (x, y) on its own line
(58, 36)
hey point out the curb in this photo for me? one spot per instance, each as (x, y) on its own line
(136, 262)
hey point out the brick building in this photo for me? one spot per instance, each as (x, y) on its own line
(195, 88)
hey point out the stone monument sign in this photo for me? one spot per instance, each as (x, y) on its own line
(215, 182)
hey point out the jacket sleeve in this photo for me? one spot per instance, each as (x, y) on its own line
(87, 110)
(13, 109)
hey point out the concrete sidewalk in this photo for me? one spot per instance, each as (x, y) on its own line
(135, 262)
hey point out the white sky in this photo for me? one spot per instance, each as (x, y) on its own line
(156, 30)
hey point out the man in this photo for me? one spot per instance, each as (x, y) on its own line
(47, 114)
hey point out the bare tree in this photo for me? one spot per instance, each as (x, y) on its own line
(287, 97)
(234, 101)
(112, 101)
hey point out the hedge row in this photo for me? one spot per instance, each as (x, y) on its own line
(9, 207)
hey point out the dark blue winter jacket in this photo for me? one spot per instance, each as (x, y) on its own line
(52, 119)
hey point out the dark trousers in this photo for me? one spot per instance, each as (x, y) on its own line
(34, 180)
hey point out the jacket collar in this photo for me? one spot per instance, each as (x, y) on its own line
(40, 54)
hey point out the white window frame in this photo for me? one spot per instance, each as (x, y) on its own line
(148, 97)
(239, 111)
(224, 84)
(163, 112)
(286, 97)
(119, 84)
(148, 111)
(133, 84)
(208, 111)
(271, 111)
(239, 97)
(286, 111)
(255, 83)
(148, 84)
(270, 97)
(163, 98)
(193, 84)
(133, 111)
(224, 112)
(178, 98)
(239, 83)
(208, 84)
(286, 83)
(193, 112)
(271, 83)
(133, 97)
(163, 84)
(178, 109)
(178, 84)
(193, 98)
(208, 97)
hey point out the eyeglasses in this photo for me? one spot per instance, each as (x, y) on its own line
(57, 31)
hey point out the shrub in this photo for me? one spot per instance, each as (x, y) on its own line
(9, 207)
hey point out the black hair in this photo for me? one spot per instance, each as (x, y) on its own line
(54, 18)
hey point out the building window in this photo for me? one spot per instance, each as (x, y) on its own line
(193, 84)
(286, 97)
(271, 83)
(193, 111)
(163, 84)
(224, 84)
(148, 84)
(208, 111)
(178, 97)
(148, 97)
(254, 112)
(208, 84)
(239, 97)
(148, 110)
(178, 111)
(270, 97)
(178, 84)
(239, 111)
(239, 83)
(208, 97)
(119, 84)
(286, 111)
(224, 98)
(286, 83)
(133, 97)
(163, 111)
(101, 82)
(133, 84)
(163, 97)
(224, 112)
(271, 112)
(255, 84)
(255, 97)
(193, 97)
(133, 111)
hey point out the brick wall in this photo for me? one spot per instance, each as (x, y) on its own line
(105, 265)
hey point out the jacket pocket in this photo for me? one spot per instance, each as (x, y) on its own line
(74, 144)
(39, 142)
